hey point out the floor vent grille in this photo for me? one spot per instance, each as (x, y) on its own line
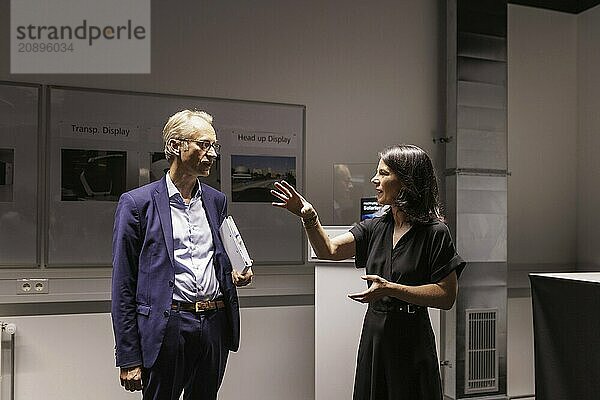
(481, 366)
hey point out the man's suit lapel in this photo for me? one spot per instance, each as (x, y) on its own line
(161, 200)
(211, 213)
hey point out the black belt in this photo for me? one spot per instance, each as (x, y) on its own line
(398, 307)
(199, 306)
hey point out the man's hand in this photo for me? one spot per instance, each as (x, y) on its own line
(244, 279)
(131, 378)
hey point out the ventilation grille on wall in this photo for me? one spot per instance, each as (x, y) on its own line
(481, 366)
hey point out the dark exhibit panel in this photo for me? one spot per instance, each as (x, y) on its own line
(566, 326)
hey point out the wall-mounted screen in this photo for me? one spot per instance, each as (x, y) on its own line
(252, 177)
(92, 175)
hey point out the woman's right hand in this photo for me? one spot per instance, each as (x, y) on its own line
(292, 200)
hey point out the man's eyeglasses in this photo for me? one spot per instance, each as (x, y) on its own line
(205, 145)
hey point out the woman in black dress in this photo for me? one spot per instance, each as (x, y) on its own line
(411, 264)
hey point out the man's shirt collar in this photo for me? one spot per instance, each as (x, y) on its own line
(173, 191)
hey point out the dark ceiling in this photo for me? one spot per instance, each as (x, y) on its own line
(570, 6)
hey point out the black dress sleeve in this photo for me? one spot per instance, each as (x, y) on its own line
(443, 257)
(361, 232)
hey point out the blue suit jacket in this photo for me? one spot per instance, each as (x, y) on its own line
(143, 273)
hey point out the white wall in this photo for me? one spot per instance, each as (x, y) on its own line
(62, 357)
(588, 166)
(275, 360)
(542, 137)
(520, 362)
(338, 325)
(542, 157)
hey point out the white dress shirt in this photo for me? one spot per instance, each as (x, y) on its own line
(193, 248)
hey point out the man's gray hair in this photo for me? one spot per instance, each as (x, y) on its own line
(182, 125)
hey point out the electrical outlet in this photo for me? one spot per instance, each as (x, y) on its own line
(32, 286)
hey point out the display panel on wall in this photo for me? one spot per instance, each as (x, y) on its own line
(102, 143)
(19, 106)
(252, 177)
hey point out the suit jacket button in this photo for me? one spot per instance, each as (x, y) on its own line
(170, 283)
(166, 313)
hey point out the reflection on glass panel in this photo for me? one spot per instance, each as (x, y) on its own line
(351, 183)
(7, 161)
(18, 175)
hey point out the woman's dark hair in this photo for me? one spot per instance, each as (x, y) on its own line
(418, 197)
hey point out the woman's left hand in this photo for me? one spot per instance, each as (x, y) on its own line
(378, 289)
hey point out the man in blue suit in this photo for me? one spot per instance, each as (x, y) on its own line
(174, 301)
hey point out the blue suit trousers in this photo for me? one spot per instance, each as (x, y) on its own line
(192, 358)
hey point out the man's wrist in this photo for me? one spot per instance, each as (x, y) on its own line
(130, 367)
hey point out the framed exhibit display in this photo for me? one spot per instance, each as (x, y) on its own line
(102, 143)
(19, 116)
